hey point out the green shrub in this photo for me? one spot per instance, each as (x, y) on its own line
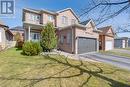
(31, 48)
(48, 37)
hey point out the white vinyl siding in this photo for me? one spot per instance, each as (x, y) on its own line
(0, 36)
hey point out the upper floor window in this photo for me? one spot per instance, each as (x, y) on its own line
(34, 17)
(64, 20)
(73, 21)
(50, 18)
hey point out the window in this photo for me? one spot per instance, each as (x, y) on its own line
(68, 38)
(35, 36)
(51, 18)
(34, 17)
(64, 20)
(37, 17)
(62, 39)
(73, 21)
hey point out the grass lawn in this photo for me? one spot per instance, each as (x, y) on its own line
(17, 70)
(116, 53)
(127, 48)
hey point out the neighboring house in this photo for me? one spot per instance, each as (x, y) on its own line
(79, 38)
(6, 37)
(18, 29)
(121, 42)
(129, 42)
(106, 38)
(34, 20)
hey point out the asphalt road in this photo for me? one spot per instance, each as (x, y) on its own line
(121, 62)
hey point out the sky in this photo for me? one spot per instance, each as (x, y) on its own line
(56, 5)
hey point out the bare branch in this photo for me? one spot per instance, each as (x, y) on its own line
(116, 3)
(115, 14)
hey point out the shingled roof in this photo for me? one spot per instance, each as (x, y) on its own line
(85, 22)
(105, 29)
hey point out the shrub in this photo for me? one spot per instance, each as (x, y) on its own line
(19, 44)
(48, 37)
(17, 38)
(31, 48)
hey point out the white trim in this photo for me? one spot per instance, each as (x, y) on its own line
(72, 39)
(29, 37)
(92, 22)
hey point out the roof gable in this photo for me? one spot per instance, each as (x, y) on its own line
(107, 30)
(71, 12)
(85, 22)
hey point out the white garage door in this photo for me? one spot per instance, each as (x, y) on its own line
(123, 44)
(108, 45)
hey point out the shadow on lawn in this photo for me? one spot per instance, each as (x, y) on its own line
(97, 73)
(18, 48)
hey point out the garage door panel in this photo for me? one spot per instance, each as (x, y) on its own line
(109, 45)
(86, 45)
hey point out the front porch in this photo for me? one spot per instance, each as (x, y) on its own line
(32, 31)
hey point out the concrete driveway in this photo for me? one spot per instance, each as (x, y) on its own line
(117, 61)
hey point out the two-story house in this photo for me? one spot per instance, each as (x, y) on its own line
(34, 20)
(74, 37)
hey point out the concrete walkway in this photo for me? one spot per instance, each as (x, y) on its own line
(68, 55)
(117, 61)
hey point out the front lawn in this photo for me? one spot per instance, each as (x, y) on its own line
(127, 48)
(17, 70)
(116, 53)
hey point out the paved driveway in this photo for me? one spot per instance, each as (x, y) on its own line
(118, 61)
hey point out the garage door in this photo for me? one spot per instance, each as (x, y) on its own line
(108, 45)
(129, 43)
(123, 43)
(86, 45)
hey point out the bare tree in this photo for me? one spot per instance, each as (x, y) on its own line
(105, 10)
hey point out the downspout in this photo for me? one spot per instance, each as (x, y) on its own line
(72, 40)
